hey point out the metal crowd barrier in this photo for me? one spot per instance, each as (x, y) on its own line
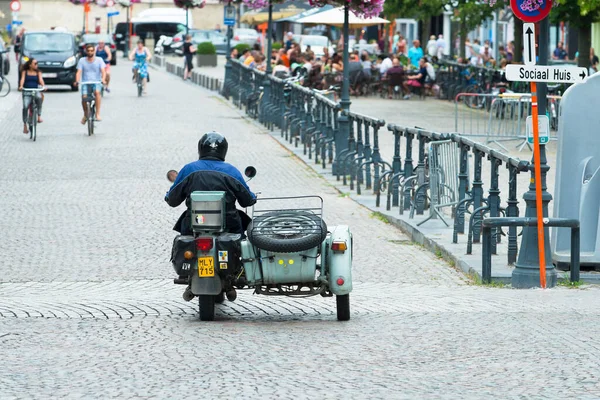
(500, 118)
(408, 186)
(311, 119)
(440, 171)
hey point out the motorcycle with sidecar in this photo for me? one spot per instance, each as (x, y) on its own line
(287, 250)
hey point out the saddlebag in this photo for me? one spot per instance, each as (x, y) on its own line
(181, 244)
(229, 254)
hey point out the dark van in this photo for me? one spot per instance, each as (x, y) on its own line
(141, 29)
(57, 55)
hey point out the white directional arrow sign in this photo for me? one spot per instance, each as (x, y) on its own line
(545, 73)
(529, 44)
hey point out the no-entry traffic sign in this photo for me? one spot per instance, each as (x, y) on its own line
(15, 6)
(531, 10)
(545, 73)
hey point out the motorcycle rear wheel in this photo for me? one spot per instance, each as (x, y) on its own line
(206, 303)
(343, 307)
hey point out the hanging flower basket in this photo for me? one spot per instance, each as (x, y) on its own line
(360, 8)
(187, 4)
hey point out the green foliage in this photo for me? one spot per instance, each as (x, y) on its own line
(241, 47)
(471, 14)
(579, 13)
(417, 9)
(381, 217)
(276, 46)
(206, 48)
(404, 60)
(4, 35)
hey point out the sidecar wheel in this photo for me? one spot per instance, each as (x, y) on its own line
(207, 307)
(343, 307)
(287, 231)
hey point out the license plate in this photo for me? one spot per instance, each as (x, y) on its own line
(206, 267)
(49, 74)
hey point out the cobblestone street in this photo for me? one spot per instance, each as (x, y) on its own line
(88, 308)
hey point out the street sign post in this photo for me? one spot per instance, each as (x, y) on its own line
(112, 13)
(543, 129)
(529, 44)
(545, 73)
(536, 11)
(229, 15)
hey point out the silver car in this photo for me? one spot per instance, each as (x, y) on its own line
(218, 39)
(248, 36)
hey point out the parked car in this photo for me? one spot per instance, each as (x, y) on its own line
(316, 43)
(57, 54)
(201, 36)
(5, 58)
(141, 29)
(248, 36)
(94, 38)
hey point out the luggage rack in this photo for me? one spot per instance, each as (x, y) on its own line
(288, 223)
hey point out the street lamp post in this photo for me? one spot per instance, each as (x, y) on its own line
(341, 138)
(228, 58)
(126, 45)
(269, 70)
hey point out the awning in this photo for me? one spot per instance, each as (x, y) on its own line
(335, 17)
(307, 13)
(280, 10)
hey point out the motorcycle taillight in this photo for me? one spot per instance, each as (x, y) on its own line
(204, 244)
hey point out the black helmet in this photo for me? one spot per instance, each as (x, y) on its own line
(213, 145)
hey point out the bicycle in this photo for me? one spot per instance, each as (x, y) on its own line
(32, 112)
(139, 83)
(4, 83)
(90, 100)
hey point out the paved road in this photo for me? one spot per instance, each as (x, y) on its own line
(87, 308)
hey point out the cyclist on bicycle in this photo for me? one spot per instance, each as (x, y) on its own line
(90, 69)
(31, 78)
(141, 55)
(103, 51)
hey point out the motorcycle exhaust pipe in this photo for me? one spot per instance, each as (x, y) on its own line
(187, 294)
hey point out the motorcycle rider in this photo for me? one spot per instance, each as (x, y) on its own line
(211, 173)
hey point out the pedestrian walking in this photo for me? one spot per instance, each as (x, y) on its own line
(188, 53)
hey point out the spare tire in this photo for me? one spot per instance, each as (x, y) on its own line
(287, 231)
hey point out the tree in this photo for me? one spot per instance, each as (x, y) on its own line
(470, 14)
(421, 10)
(580, 14)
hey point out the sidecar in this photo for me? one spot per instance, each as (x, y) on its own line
(288, 251)
(291, 252)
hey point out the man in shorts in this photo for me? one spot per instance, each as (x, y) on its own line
(91, 69)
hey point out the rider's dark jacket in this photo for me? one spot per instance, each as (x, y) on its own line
(210, 174)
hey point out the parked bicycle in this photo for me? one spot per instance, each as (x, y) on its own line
(90, 109)
(32, 111)
(4, 83)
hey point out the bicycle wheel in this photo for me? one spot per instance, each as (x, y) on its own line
(139, 85)
(33, 126)
(30, 121)
(90, 119)
(4, 87)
